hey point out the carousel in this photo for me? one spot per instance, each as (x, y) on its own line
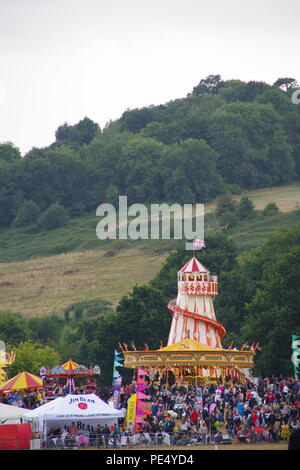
(194, 353)
(69, 371)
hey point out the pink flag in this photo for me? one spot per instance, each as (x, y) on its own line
(142, 404)
(141, 387)
(139, 419)
(141, 412)
(212, 407)
(141, 381)
(143, 372)
(142, 396)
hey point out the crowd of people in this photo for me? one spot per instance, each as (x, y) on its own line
(28, 399)
(265, 411)
(268, 410)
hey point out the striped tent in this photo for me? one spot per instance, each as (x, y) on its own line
(69, 365)
(22, 381)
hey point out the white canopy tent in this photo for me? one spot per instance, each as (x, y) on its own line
(40, 410)
(11, 414)
(86, 411)
(35, 416)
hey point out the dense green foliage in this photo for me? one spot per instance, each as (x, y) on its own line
(223, 137)
(53, 217)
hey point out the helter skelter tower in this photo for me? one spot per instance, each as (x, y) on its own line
(194, 349)
(193, 311)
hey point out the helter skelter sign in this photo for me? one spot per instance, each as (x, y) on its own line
(296, 355)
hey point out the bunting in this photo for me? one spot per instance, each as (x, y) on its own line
(142, 408)
(131, 410)
(116, 391)
(118, 362)
(117, 378)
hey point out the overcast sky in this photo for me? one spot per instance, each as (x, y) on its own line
(62, 60)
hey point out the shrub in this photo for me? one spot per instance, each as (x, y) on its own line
(54, 217)
(245, 208)
(270, 209)
(225, 204)
(28, 213)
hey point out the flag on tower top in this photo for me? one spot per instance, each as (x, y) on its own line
(198, 243)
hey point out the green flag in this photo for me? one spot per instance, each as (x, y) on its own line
(117, 363)
(296, 355)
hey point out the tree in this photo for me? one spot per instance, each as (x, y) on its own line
(136, 119)
(292, 129)
(245, 208)
(273, 313)
(87, 130)
(30, 357)
(9, 153)
(157, 130)
(254, 89)
(28, 213)
(210, 84)
(102, 161)
(236, 90)
(279, 100)
(270, 209)
(54, 217)
(253, 148)
(284, 83)
(189, 172)
(81, 133)
(281, 163)
(112, 194)
(140, 169)
(13, 328)
(225, 203)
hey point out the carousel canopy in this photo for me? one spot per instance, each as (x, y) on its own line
(188, 344)
(68, 369)
(69, 365)
(193, 266)
(22, 381)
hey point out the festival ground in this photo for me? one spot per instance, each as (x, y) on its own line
(235, 446)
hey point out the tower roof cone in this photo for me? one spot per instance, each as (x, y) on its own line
(193, 266)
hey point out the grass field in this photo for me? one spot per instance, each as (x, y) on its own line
(47, 285)
(287, 198)
(43, 272)
(222, 447)
(252, 233)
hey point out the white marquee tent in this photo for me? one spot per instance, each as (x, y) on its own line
(11, 414)
(40, 410)
(35, 416)
(87, 411)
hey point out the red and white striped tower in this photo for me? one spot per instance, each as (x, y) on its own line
(193, 310)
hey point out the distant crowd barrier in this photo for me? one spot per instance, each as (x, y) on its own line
(138, 440)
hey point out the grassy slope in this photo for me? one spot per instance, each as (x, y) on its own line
(287, 198)
(42, 273)
(252, 233)
(47, 285)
